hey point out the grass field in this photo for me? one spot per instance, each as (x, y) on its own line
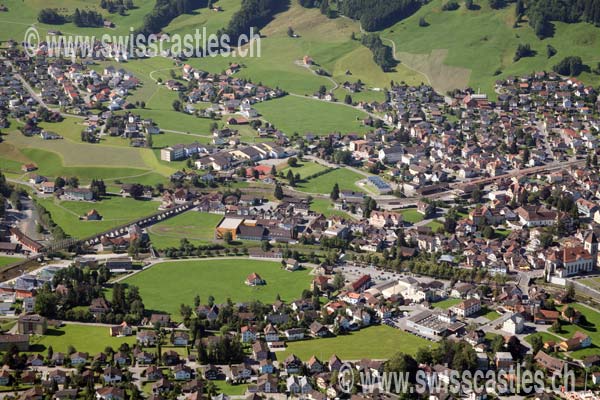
(378, 342)
(21, 14)
(325, 207)
(197, 227)
(447, 303)
(8, 260)
(492, 315)
(323, 184)
(304, 168)
(167, 285)
(305, 115)
(114, 211)
(435, 224)
(230, 390)
(90, 339)
(411, 215)
(68, 157)
(465, 47)
(327, 41)
(591, 328)
(591, 282)
(546, 337)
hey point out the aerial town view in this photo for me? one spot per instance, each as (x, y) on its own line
(307, 199)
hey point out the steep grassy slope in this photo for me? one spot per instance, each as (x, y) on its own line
(466, 47)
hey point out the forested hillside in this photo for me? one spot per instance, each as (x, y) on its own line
(254, 13)
(375, 15)
(542, 12)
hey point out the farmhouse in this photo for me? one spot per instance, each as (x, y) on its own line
(579, 340)
(21, 341)
(32, 324)
(255, 280)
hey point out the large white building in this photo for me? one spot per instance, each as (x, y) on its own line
(467, 307)
(173, 153)
(514, 325)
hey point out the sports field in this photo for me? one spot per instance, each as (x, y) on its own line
(167, 285)
(377, 342)
(197, 227)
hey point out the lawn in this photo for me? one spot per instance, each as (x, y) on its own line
(306, 115)
(169, 139)
(546, 337)
(591, 282)
(446, 304)
(77, 154)
(197, 227)
(378, 342)
(167, 285)
(323, 184)
(8, 260)
(411, 215)
(435, 224)
(230, 390)
(325, 207)
(114, 210)
(492, 315)
(591, 328)
(304, 168)
(86, 338)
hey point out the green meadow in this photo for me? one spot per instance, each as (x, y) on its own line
(114, 210)
(465, 48)
(85, 338)
(197, 227)
(375, 342)
(167, 285)
(323, 184)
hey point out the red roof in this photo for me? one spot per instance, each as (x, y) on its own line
(360, 282)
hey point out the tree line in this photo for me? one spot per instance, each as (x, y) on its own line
(116, 6)
(542, 12)
(252, 14)
(81, 18)
(165, 11)
(375, 15)
(382, 54)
